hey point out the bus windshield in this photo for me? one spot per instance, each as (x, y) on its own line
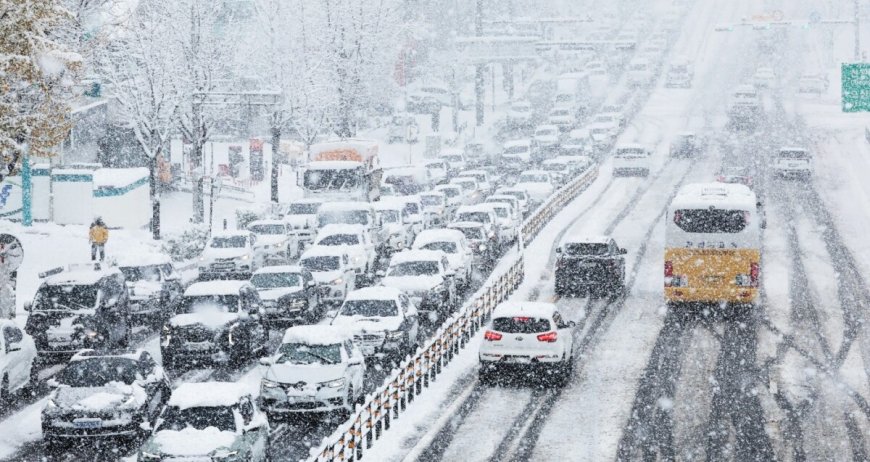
(337, 179)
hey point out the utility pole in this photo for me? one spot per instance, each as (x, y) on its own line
(480, 68)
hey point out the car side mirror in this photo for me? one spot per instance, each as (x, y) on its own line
(355, 362)
(450, 273)
(312, 283)
(623, 251)
(380, 273)
(10, 347)
(267, 361)
(52, 383)
(558, 250)
(28, 306)
(572, 324)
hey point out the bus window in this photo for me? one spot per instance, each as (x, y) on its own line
(711, 221)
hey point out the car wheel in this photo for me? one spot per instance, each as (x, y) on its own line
(33, 380)
(486, 375)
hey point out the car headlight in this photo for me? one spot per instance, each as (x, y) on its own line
(266, 383)
(357, 259)
(277, 246)
(482, 247)
(245, 257)
(337, 281)
(144, 456)
(201, 258)
(395, 335)
(337, 383)
(230, 339)
(224, 454)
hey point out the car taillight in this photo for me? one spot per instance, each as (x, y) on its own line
(754, 271)
(720, 179)
(669, 269)
(678, 215)
(549, 337)
(491, 336)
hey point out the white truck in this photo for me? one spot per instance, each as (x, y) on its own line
(342, 170)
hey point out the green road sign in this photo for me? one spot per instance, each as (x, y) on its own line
(856, 87)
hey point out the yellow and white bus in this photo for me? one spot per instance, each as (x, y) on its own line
(713, 245)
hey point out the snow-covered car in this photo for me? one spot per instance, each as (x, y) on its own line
(631, 159)
(484, 181)
(483, 247)
(103, 395)
(384, 321)
(527, 336)
(520, 114)
(687, 144)
(816, 84)
(745, 104)
(679, 74)
(315, 369)
(230, 254)
(764, 77)
(408, 179)
(563, 118)
(455, 247)
(354, 213)
(17, 360)
(735, 174)
(455, 159)
(516, 154)
(428, 98)
(354, 240)
(214, 322)
(603, 136)
(576, 164)
(274, 241)
(427, 278)
(436, 209)
(152, 285)
(471, 192)
(522, 196)
(589, 263)
(453, 193)
(485, 215)
(509, 222)
(546, 138)
(559, 170)
(614, 119)
(83, 306)
(793, 162)
(330, 267)
(288, 294)
(579, 142)
(394, 220)
(438, 170)
(415, 218)
(640, 73)
(512, 201)
(538, 184)
(301, 219)
(209, 421)
(403, 128)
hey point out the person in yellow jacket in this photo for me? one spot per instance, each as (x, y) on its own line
(98, 236)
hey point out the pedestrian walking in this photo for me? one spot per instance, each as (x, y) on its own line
(98, 235)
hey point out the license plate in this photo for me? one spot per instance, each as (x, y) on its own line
(516, 359)
(299, 399)
(198, 346)
(88, 423)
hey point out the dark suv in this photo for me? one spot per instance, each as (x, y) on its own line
(595, 264)
(214, 322)
(83, 306)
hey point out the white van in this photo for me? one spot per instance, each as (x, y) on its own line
(793, 162)
(631, 159)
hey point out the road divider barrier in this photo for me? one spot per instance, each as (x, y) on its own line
(407, 382)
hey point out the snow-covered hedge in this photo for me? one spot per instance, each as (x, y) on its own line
(187, 245)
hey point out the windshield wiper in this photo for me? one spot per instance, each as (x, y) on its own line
(322, 358)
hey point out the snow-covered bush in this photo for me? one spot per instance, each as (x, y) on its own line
(187, 245)
(244, 217)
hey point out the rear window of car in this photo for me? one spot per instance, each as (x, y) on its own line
(711, 221)
(521, 325)
(596, 249)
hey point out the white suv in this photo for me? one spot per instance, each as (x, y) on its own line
(231, 253)
(797, 162)
(527, 335)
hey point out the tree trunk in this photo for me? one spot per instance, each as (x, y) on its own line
(276, 144)
(153, 167)
(197, 183)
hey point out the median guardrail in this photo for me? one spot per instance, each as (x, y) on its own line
(407, 382)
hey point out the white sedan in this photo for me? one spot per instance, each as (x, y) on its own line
(537, 183)
(17, 358)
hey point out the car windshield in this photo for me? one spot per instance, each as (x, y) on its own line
(232, 242)
(480, 217)
(414, 268)
(276, 280)
(520, 325)
(452, 158)
(586, 249)
(200, 418)
(300, 353)
(267, 229)
(444, 246)
(347, 217)
(638, 67)
(472, 233)
(340, 239)
(605, 119)
(744, 95)
(321, 263)
(518, 194)
(412, 208)
(208, 304)
(450, 192)
(141, 273)
(546, 131)
(389, 216)
(431, 200)
(599, 130)
(501, 212)
(516, 149)
(711, 221)
(98, 372)
(370, 308)
(533, 178)
(303, 208)
(66, 297)
(521, 108)
(554, 167)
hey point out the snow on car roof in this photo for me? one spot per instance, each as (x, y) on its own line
(208, 394)
(451, 152)
(465, 224)
(90, 353)
(437, 235)
(128, 259)
(485, 207)
(231, 233)
(228, 287)
(524, 309)
(344, 206)
(324, 251)
(82, 274)
(630, 146)
(416, 255)
(592, 239)
(317, 334)
(265, 222)
(386, 203)
(514, 143)
(374, 293)
(705, 195)
(334, 228)
(279, 269)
